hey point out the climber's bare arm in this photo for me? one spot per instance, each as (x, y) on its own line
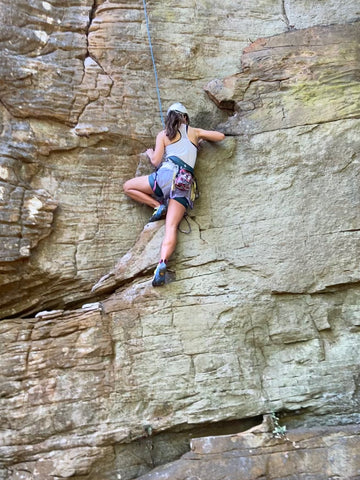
(157, 154)
(210, 135)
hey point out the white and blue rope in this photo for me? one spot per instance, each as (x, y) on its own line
(154, 65)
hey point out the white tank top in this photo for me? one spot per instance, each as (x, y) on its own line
(182, 148)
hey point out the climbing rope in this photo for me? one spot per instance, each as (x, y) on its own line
(154, 65)
(185, 217)
(159, 100)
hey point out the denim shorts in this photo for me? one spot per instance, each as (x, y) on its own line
(161, 182)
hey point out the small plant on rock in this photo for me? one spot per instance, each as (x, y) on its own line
(279, 431)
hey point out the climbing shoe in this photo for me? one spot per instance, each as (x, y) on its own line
(159, 275)
(158, 213)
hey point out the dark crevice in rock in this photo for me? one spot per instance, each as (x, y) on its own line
(32, 306)
(87, 59)
(90, 54)
(159, 448)
(308, 417)
(227, 105)
(285, 15)
(338, 287)
(328, 289)
(102, 295)
(117, 284)
(6, 107)
(313, 125)
(91, 18)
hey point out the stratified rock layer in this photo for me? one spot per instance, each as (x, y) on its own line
(314, 453)
(303, 77)
(262, 311)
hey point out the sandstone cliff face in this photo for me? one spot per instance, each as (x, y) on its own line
(103, 376)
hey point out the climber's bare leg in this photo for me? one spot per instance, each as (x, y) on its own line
(175, 213)
(139, 189)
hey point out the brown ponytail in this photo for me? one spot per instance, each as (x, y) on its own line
(172, 123)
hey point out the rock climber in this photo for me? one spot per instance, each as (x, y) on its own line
(170, 189)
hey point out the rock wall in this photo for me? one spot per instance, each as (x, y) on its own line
(254, 454)
(262, 313)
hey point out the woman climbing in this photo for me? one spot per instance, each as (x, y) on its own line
(169, 189)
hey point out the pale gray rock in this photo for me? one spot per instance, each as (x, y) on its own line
(26, 218)
(304, 13)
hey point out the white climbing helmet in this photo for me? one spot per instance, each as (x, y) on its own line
(177, 107)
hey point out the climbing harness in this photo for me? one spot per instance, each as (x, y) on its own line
(153, 62)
